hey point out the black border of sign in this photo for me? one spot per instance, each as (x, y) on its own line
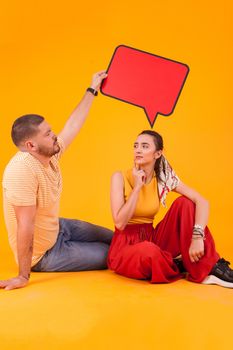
(168, 59)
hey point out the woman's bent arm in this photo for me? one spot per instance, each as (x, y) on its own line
(202, 205)
(122, 211)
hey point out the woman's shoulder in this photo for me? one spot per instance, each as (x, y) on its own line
(117, 180)
(122, 175)
(117, 175)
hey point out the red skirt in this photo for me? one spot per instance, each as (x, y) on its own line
(143, 252)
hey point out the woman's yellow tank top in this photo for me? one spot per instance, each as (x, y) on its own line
(148, 200)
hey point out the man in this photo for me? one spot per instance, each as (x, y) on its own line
(31, 193)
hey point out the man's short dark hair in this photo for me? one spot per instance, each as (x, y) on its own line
(24, 127)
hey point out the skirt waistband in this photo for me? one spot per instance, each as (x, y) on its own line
(136, 228)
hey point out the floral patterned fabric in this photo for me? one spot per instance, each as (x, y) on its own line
(169, 180)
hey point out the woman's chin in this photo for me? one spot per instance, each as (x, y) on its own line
(142, 162)
(139, 162)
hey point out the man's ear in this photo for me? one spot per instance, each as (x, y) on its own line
(30, 146)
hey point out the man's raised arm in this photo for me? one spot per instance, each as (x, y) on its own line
(79, 115)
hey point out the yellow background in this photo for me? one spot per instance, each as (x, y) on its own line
(49, 51)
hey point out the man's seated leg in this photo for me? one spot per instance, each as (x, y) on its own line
(82, 231)
(68, 255)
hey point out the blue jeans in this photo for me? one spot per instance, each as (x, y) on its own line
(79, 246)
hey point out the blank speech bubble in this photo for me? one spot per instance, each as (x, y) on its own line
(151, 82)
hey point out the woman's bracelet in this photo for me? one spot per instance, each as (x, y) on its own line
(198, 232)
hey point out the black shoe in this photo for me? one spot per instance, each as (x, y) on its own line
(220, 274)
(179, 264)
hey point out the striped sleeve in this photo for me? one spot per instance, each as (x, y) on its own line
(20, 184)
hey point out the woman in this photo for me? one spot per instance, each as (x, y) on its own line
(180, 243)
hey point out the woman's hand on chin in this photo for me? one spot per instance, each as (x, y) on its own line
(139, 178)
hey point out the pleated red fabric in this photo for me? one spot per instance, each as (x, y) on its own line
(143, 252)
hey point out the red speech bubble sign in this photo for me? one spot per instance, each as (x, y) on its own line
(145, 80)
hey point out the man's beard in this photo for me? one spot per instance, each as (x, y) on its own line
(48, 152)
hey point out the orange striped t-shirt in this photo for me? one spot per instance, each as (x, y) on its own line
(26, 181)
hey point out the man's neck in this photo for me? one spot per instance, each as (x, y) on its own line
(44, 160)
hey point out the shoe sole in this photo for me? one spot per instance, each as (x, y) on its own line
(211, 279)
